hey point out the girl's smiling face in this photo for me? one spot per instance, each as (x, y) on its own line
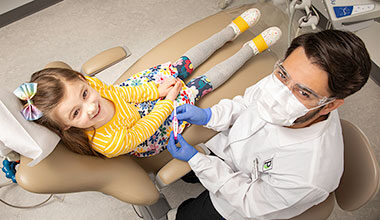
(82, 107)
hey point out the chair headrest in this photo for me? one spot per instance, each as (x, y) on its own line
(26, 138)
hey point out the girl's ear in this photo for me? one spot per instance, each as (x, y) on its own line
(66, 128)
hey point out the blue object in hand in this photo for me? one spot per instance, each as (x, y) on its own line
(193, 114)
(9, 168)
(185, 152)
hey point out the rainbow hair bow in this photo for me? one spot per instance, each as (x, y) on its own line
(26, 92)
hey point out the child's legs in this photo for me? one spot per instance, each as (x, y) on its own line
(221, 72)
(200, 52)
(224, 70)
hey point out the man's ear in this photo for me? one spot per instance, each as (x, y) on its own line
(332, 106)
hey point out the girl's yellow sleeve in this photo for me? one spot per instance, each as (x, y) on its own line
(135, 94)
(96, 83)
(124, 141)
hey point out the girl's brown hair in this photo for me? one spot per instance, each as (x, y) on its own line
(50, 91)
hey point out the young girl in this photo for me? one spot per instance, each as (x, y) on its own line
(93, 118)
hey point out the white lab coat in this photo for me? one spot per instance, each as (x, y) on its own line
(303, 165)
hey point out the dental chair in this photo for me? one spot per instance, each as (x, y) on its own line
(125, 177)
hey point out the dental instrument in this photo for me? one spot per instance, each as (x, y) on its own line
(175, 121)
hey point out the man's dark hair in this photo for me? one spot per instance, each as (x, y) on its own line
(341, 54)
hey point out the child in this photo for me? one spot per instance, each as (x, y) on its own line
(93, 118)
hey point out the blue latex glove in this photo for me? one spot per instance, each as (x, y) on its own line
(192, 114)
(185, 152)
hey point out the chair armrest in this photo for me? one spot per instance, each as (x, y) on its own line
(175, 169)
(64, 171)
(104, 60)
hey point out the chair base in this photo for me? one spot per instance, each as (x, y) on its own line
(157, 211)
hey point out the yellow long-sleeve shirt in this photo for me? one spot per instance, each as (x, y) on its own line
(127, 129)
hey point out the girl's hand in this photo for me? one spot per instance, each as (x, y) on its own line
(166, 86)
(173, 93)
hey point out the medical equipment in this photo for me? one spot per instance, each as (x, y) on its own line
(348, 15)
(175, 121)
(9, 168)
(310, 19)
(10, 161)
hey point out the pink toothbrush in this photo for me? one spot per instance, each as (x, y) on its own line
(175, 121)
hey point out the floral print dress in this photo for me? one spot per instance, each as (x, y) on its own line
(190, 92)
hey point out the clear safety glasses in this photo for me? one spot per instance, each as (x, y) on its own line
(300, 91)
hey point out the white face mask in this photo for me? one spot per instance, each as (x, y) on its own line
(276, 103)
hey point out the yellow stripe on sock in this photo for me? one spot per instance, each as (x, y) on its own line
(260, 43)
(241, 23)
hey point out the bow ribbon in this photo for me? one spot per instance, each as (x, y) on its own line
(26, 92)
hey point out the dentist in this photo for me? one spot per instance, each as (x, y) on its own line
(280, 147)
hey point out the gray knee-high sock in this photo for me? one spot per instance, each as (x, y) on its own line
(224, 70)
(200, 52)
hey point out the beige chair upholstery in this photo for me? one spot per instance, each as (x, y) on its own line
(125, 177)
(360, 180)
(63, 172)
(57, 64)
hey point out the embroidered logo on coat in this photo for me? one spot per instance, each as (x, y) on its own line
(268, 165)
